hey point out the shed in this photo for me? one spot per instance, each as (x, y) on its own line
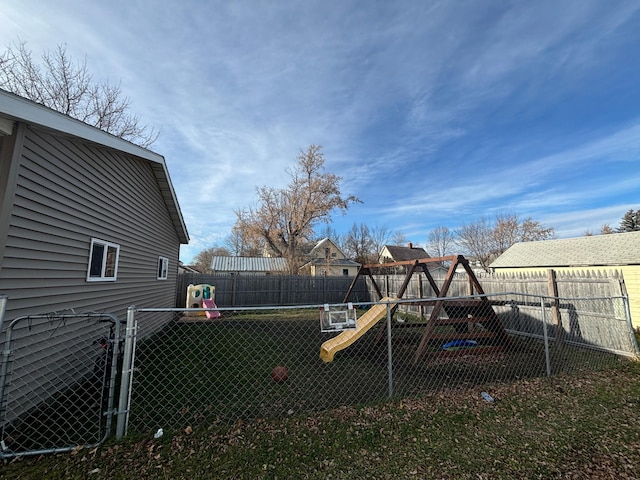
(248, 265)
(618, 251)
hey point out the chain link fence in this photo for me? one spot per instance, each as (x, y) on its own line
(57, 382)
(66, 378)
(197, 370)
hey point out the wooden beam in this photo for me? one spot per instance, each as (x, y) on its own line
(409, 262)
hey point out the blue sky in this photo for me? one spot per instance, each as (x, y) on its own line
(435, 113)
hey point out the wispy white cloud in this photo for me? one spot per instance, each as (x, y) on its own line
(429, 115)
(577, 223)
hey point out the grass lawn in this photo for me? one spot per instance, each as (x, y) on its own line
(572, 425)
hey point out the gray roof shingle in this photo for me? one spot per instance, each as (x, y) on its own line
(400, 254)
(599, 250)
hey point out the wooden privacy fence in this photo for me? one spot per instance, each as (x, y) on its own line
(557, 283)
(272, 290)
(551, 283)
(276, 290)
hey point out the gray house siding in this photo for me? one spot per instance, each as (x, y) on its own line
(65, 193)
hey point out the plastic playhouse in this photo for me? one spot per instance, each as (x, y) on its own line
(202, 296)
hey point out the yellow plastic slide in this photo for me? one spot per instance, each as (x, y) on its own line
(347, 337)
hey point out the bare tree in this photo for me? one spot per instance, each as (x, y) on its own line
(532, 230)
(67, 87)
(606, 229)
(505, 232)
(363, 243)
(441, 239)
(358, 243)
(476, 239)
(328, 231)
(509, 229)
(398, 238)
(285, 218)
(202, 261)
(241, 243)
(485, 239)
(380, 236)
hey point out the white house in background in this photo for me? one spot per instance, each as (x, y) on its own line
(325, 258)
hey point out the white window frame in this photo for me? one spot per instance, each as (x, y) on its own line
(107, 249)
(163, 268)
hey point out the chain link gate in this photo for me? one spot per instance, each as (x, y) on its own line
(58, 381)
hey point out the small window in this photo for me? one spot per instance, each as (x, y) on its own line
(163, 268)
(103, 261)
(345, 272)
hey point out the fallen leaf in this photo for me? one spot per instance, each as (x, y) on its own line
(76, 450)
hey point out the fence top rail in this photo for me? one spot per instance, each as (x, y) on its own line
(62, 315)
(537, 295)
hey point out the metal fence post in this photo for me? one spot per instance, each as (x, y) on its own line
(4, 369)
(5, 355)
(127, 373)
(546, 337)
(389, 352)
(3, 306)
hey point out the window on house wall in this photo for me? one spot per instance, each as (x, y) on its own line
(163, 268)
(345, 271)
(327, 252)
(103, 261)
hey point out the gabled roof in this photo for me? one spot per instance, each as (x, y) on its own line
(321, 244)
(248, 264)
(591, 251)
(399, 253)
(15, 108)
(187, 268)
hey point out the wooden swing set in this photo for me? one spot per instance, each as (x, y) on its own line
(465, 315)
